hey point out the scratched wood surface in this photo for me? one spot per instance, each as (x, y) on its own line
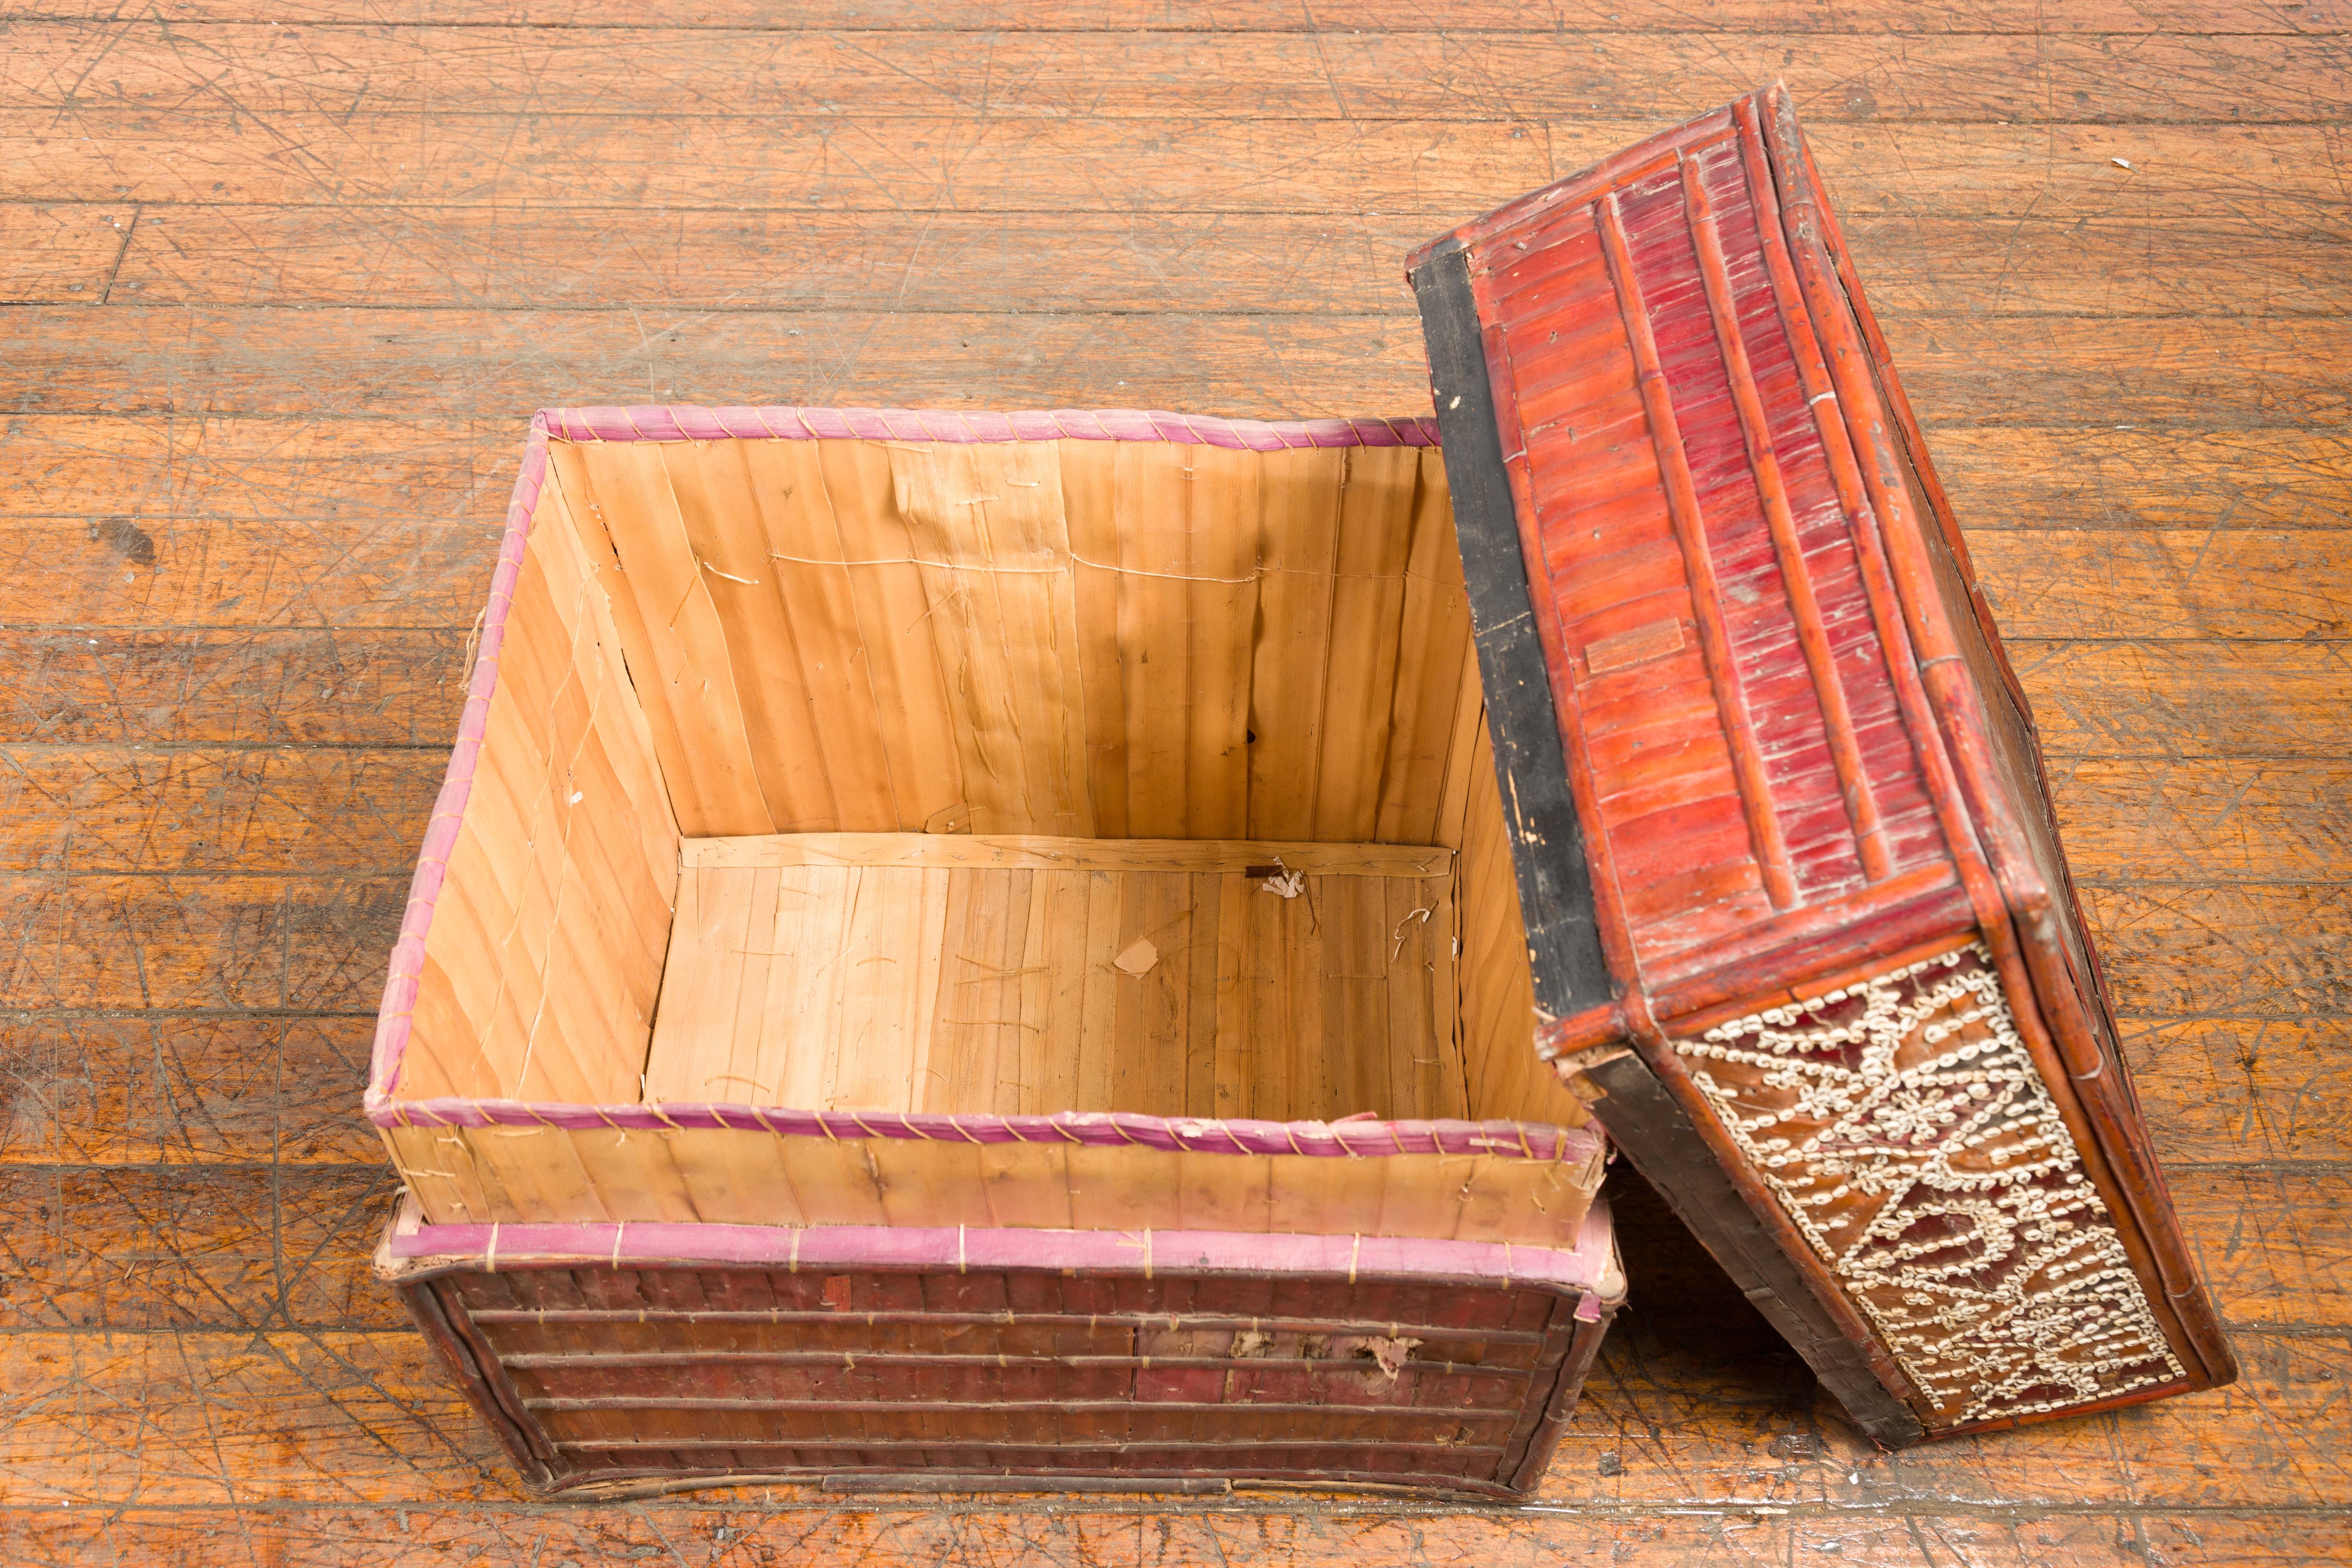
(282, 285)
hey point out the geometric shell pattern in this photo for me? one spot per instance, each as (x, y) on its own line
(1903, 1127)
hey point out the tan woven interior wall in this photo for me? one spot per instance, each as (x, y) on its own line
(1088, 639)
(545, 953)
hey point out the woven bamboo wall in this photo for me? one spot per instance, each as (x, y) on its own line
(1086, 639)
(545, 954)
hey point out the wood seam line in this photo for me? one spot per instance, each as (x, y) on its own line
(1812, 635)
(1690, 532)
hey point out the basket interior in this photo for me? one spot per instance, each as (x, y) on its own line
(988, 777)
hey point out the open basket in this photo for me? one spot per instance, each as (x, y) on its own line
(1079, 826)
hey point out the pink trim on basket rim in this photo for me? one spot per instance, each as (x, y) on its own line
(395, 1019)
(1355, 1139)
(656, 1243)
(694, 424)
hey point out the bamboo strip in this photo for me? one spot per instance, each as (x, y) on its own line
(1812, 635)
(1298, 554)
(988, 525)
(1690, 530)
(1360, 679)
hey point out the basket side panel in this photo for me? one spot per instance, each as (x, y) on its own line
(649, 1374)
(541, 913)
(2055, 980)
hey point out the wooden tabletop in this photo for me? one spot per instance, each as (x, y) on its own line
(286, 294)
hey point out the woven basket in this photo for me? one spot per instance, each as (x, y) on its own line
(1076, 834)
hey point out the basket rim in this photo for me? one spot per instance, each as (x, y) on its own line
(1351, 1139)
(1369, 1137)
(412, 1247)
(693, 422)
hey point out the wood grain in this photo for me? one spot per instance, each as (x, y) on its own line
(157, 1089)
(1366, 75)
(62, 253)
(2186, 697)
(1040, 853)
(1271, 1531)
(2094, 477)
(282, 809)
(2276, 175)
(2173, 582)
(1275, 16)
(320, 487)
(2139, 261)
(2176, 371)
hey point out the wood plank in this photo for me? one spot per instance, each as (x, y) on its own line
(1258, 1527)
(285, 809)
(2258, 949)
(1999, 369)
(305, 468)
(60, 253)
(205, 941)
(155, 1089)
(200, 155)
(130, 571)
(2169, 584)
(1465, 161)
(2204, 820)
(1046, 853)
(224, 1247)
(2093, 477)
(198, 1419)
(2185, 699)
(2251, 1088)
(239, 1415)
(1943, 77)
(280, 687)
(1279, 16)
(1990, 370)
(2135, 257)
